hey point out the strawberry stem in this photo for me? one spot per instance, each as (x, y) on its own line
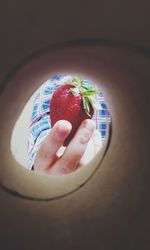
(88, 93)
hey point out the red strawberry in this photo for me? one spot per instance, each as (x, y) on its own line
(74, 102)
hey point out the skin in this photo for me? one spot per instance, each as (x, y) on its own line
(53, 159)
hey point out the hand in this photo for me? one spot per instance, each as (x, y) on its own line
(53, 159)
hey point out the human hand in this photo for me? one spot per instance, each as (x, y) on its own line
(53, 159)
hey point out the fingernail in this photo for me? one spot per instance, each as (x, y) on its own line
(64, 125)
(62, 130)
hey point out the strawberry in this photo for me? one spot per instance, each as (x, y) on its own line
(74, 101)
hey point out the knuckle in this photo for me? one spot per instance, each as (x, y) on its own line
(83, 140)
(85, 136)
(68, 166)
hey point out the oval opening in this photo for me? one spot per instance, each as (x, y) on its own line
(34, 123)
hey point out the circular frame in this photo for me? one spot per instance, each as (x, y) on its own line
(19, 88)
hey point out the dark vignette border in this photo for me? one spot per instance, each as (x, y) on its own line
(73, 44)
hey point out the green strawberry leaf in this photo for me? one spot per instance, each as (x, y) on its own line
(86, 106)
(94, 102)
(87, 86)
(77, 80)
(75, 91)
(88, 93)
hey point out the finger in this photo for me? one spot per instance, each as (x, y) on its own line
(94, 145)
(60, 151)
(75, 150)
(55, 139)
(88, 154)
(97, 139)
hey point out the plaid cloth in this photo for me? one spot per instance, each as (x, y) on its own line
(40, 119)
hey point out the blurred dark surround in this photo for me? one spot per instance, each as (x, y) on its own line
(112, 211)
